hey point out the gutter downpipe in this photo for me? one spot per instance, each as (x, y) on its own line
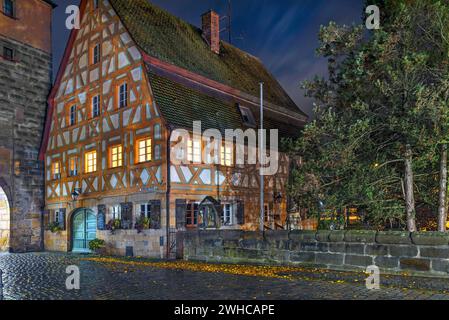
(262, 155)
(167, 194)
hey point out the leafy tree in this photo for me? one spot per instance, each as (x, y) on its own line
(381, 116)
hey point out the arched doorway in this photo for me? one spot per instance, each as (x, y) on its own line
(210, 212)
(5, 222)
(84, 229)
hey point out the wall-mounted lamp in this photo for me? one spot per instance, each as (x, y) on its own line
(75, 194)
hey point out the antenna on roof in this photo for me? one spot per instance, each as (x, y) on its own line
(228, 17)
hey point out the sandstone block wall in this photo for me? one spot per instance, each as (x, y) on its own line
(24, 87)
(416, 253)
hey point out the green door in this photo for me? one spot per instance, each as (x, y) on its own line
(84, 230)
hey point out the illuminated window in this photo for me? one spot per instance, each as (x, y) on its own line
(144, 150)
(72, 115)
(226, 156)
(123, 96)
(194, 150)
(73, 166)
(91, 161)
(95, 106)
(192, 214)
(116, 156)
(8, 7)
(96, 52)
(56, 170)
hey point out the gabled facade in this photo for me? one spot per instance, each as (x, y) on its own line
(131, 76)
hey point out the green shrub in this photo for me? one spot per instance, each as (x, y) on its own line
(54, 227)
(96, 244)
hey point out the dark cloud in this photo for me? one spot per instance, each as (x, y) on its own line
(283, 33)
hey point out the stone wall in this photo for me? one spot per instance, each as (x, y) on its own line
(416, 253)
(145, 244)
(56, 242)
(24, 87)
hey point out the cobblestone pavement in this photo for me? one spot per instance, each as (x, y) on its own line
(41, 276)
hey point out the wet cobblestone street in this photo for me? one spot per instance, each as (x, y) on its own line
(42, 276)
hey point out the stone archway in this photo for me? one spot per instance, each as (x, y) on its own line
(5, 221)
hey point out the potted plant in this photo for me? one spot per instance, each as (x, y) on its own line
(114, 224)
(54, 227)
(142, 223)
(96, 245)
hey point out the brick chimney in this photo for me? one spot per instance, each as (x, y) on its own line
(211, 30)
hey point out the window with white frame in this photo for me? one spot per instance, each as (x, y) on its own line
(145, 210)
(116, 156)
(226, 155)
(157, 152)
(96, 52)
(227, 218)
(73, 166)
(123, 95)
(95, 106)
(90, 162)
(144, 153)
(56, 216)
(116, 212)
(72, 115)
(157, 132)
(194, 150)
(56, 170)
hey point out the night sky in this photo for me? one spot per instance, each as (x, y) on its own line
(283, 33)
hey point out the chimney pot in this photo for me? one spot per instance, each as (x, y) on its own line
(211, 30)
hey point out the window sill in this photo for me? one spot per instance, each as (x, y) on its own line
(9, 60)
(9, 16)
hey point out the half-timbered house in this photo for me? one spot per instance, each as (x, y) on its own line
(131, 76)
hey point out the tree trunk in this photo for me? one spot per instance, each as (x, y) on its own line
(409, 192)
(442, 196)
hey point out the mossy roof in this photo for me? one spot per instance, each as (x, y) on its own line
(172, 40)
(182, 105)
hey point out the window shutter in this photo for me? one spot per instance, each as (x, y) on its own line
(155, 214)
(127, 215)
(181, 213)
(62, 218)
(240, 214)
(101, 217)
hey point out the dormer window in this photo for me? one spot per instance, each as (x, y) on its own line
(8, 8)
(247, 116)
